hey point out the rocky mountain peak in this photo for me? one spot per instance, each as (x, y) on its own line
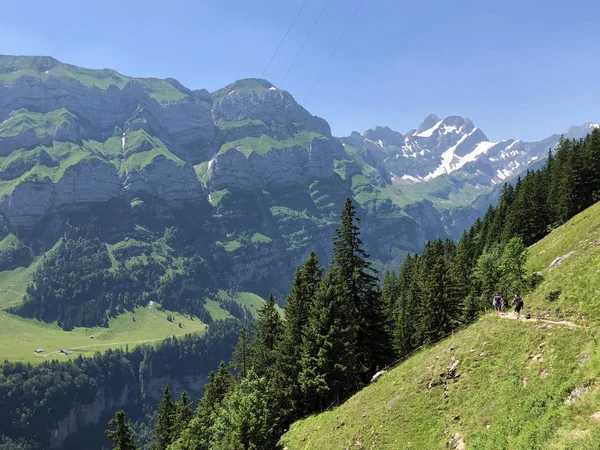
(428, 123)
(384, 134)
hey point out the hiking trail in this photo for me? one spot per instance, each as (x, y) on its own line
(513, 316)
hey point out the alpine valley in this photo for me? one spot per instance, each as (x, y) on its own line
(136, 209)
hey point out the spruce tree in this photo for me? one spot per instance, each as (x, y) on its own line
(359, 286)
(300, 301)
(329, 366)
(242, 354)
(163, 429)
(182, 415)
(198, 433)
(267, 336)
(121, 435)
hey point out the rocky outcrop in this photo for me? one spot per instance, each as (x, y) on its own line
(165, 179)
(277, 168)
(81, 415)
(89, 181)
(259, 99)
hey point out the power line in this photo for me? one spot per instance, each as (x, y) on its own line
(334, 50)
(284, 38)
(303, 44)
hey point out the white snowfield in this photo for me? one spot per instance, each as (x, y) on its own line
(430, 131)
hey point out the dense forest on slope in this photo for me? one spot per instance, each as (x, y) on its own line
(339, 328)
(77, 284)
(34, 399)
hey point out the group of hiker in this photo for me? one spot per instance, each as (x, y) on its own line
(501, 304)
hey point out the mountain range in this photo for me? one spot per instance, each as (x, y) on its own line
(250, 177)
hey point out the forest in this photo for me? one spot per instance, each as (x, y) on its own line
(340, 327)
(34, 398)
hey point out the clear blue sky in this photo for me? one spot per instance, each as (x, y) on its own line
(521, 69)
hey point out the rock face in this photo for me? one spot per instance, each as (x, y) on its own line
(163, 179)
(90, 181)
(277, 168)
(259, 99)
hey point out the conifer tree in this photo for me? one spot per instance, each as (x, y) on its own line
(163, 429)
(121, 435)
(246, 420)
(267, 336)
(359, 286)
(198, 433)
(242, 354)
(182, 415)
(329, 367)
(300, 301)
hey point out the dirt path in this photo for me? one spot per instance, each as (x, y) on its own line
(145, 341)
(513, 316)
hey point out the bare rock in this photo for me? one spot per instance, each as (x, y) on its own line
(576, 394)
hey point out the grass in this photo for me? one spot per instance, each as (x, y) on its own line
(20, 337)
(216, 312)
(225, 126)
(264, 144)
(66, 154)
(23, 121)
(141, 149)
(43, 68)
(514, 377)
(577, 277)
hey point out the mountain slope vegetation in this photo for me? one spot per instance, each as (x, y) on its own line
(517, 384)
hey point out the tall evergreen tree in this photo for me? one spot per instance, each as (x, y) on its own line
(267, 336)
(300, 301)
(163, 429)
(242, 354)
(329, 367)
(121, 435)
(198, 433)
(359, 286)
(182, 415)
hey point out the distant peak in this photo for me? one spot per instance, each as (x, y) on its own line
(429, 122)
(385, 134)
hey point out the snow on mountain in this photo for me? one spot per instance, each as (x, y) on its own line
(454, 145)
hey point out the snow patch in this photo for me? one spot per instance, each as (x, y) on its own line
(272, 88)
(452, 162)
(411, 179)
(380, 143)
(430, 131)
(123, 142)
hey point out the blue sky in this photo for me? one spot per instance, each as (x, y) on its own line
(522, 69)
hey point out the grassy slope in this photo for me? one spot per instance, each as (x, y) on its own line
(505, 396)
(42, 67)
(264, 144)
(19, 337)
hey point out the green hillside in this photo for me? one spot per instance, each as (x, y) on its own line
(517, 385)
(45, 67)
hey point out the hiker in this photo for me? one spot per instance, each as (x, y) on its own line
(503, 304)
(518, 302)
(497, 302)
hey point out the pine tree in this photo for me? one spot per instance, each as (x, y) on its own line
(267, 336)
(182, 415)
(359, 286)
(198, 433)
(121, 435)
(300, 301)
(163, 429)
(329, 366)
(242, 354)
(246, 420)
